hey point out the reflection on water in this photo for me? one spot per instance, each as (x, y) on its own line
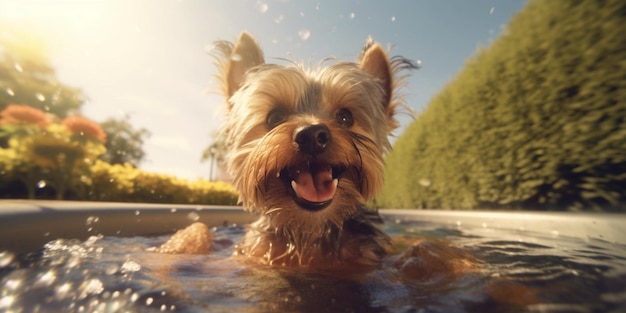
(521, 271)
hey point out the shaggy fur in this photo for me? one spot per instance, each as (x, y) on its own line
(268, 105)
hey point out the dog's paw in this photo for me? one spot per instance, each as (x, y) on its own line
(434, 260)
(195, 239)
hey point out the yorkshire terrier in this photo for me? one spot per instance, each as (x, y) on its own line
(306, 155)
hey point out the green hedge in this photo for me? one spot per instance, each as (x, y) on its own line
(535, 121)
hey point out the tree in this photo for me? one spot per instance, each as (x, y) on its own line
(125, 144)
(215, 153)
(26, 77)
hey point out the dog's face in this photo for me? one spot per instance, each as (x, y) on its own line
(306, 147)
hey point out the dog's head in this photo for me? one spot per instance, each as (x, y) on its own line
(307, 145)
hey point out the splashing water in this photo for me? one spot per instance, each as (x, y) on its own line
(120, 274)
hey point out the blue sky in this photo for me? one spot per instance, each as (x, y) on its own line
(148, 58)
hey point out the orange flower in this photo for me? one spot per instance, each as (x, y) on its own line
(23, 114)
(84, 127)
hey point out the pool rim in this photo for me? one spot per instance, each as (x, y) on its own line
(26, 225)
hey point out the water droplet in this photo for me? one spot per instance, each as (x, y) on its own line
(6, 258)
(18, 67)
(193, 216)
(134, 296)
(10, 92)
(92, 219)
(130, 266)
(163, 307)
(418, 63)
(41, 184)
(262, 6)
(279, 19)
(352, 15)
(137, 212)
(149, 300)
(393, 18)
(236, 57)
(491, 10)
(304, 34)
(40, 97)
(92, 286)
(111, 270)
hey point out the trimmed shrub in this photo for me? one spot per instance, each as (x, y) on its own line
(535, 121)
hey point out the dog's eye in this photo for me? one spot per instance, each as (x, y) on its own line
(344, 117)
(275, 118)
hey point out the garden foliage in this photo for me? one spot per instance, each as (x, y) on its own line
(534, 121)
(41, 157)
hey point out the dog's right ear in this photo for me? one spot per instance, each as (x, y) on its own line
(245, 55)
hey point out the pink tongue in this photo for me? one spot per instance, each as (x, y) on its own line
(316, 186)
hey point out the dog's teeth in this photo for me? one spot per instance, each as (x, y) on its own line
(335, 182)
(278, 174)
(294, 185)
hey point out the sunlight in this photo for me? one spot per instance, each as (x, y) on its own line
(57, 22)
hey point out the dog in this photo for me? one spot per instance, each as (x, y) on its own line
(306, 151)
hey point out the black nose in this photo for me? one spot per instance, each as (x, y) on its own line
(312, 140)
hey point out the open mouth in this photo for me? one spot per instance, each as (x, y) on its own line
(313, 185)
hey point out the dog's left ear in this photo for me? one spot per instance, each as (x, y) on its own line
(375, 62)
(245, 55)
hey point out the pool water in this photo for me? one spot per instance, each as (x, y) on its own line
(519, 271)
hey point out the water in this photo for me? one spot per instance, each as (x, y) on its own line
(520, 271)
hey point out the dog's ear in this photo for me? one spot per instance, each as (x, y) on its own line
(245, 55)
(375, 62)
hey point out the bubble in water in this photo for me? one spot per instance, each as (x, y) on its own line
(10, 92)
(130, 266)
(62, 291)
(40, 97)
(304, 34)
(6, 302)
(41, 184)
(6, 258)
(262, 6)
(111, 269)
(193, 216)
(92, 286)
(46, 279)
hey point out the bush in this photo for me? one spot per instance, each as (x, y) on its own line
(43, 159)
(535, 121)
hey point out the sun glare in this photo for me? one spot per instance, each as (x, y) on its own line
(55, 21)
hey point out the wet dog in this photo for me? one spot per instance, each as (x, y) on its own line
(306, 153)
